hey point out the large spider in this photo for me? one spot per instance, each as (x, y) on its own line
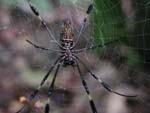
(68, 57)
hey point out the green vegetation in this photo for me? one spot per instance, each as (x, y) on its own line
(110, 24)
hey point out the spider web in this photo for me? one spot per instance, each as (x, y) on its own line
(123, 64)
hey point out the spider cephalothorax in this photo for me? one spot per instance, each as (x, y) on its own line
(69, 58)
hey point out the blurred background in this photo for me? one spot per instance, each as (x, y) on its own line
(123, 64)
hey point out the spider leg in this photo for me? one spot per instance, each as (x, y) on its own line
(37, 46)
(104, 84)
(34, 10)
(90, 7)
(94, 47)
(40, 47)
(102, 45)
(93, 107)
(20, 109)
(35, 92)
(50, 90)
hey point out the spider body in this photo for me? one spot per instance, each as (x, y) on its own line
(67, 41)
(67, 34)
(68, 57)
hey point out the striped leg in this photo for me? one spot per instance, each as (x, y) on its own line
(42, 48)
(104, 84)
(35, 92)
(83, 24)
(36, 46)
(34, 10)
(50, 90)
(93, 107)
(95, 46)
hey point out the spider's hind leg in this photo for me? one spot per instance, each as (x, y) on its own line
(35, 92)
(92, 104)
(104, 84)
(50, 90)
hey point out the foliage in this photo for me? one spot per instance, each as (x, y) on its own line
(109, 24)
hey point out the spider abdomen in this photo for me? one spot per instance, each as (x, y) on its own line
(67, 34)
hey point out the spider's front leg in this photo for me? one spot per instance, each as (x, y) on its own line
(89, 10)
(34, 10)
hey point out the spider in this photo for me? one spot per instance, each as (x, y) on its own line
(68, 57)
